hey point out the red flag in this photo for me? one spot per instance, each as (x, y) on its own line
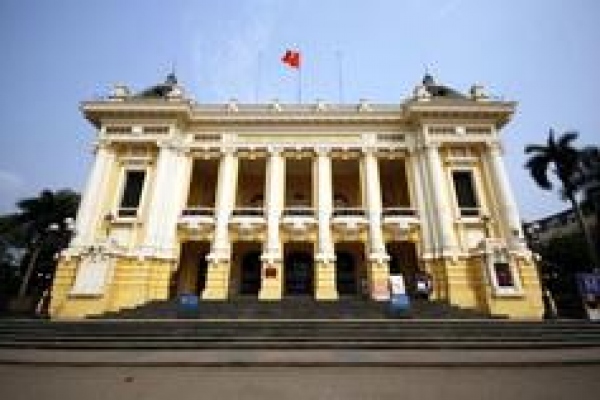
(291, 58)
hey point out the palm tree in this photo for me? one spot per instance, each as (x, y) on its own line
(44, 221)
(588, 181)
(565, 162)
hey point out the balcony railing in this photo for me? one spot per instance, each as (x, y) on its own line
(398, 212)
(470, 211)
(349, 212)
(248, 212)
(127, 212)
(198, 212)
(298, 211)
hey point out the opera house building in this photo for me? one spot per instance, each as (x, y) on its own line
(268, 201)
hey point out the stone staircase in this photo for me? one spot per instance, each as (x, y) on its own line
(298, 335)
(293, 308)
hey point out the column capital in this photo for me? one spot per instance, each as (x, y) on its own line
(494, 146)
(368, 150)
(275, 150)
(431, 145)
(228, 151)
(178, 144)
(101, 144)
(323, 151)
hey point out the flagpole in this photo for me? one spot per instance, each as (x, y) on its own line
(340, 78)
(258, 77)
(300, 80)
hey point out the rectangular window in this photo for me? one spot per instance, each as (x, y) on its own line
(132, 193)
(465, 193)
(503, 275)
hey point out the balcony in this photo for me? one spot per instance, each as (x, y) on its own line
(399, 219)
(248, 218)
(298, 219)
(470, 212)
(197, 218)
(127, 213)
(349, 219)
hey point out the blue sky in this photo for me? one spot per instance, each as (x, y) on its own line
(543, 54)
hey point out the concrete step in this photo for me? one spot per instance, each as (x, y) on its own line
(294, 308)
(202, 334)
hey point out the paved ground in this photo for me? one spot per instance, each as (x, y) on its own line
(331, 383)
(300, 374)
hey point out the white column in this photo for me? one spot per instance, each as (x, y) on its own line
(171, 180)
(325, 276)
(274, 194)
(447, 239)
(225, 202)
(419, 183)
(373, 198)
(272, 283)
(219, 268)
(324, 205)
(89, 214)
(378, 272)
(509, 212)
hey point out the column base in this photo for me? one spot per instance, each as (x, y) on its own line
(325, 284)
(379, 276)
(271, 288)
(217, 281)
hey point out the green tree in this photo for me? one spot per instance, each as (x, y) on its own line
(42, 223)
(564, 160)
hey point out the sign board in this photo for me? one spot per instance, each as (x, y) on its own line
(397, 285)
(93, 274)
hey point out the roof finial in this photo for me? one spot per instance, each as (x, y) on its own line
(428, 78)
(172, 77)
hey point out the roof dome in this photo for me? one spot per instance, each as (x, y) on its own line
(436, 90)
(161, 90)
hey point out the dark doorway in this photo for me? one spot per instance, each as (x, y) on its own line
(202, 266)
(250, 271)
(404, 260)
(345, 273)
(298, 267)
(190, 276)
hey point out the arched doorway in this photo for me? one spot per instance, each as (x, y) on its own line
(345, 273)
(298, 267)
(250, 273)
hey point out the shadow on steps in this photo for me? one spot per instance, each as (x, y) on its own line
(292, 308)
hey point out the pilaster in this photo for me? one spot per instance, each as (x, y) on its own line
(172, 178)
(442, 210)
(509, 213)
(89, 214)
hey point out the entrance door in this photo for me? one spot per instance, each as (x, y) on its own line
(298, 267)
(345, 273)
(250, 271)
(404, 260)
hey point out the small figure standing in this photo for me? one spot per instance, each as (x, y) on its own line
(423, 285)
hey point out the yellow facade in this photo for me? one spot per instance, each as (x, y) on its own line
(281, 200)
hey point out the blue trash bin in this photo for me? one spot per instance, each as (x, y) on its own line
(189, 305)
(399, 305)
